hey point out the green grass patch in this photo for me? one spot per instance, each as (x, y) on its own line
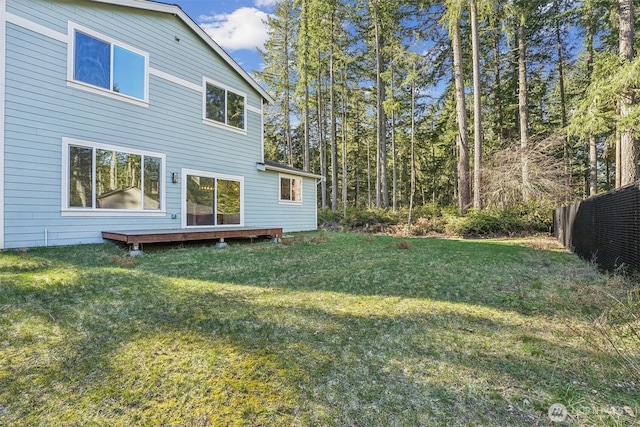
(325, 329)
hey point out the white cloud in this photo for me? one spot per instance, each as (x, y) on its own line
(244, 28)
(264, 3)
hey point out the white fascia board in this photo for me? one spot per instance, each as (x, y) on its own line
(177, 11)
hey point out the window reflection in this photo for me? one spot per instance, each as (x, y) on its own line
(224, 106)
(80, 177)
(215, 103)
(118, 180)
(92, 61)
(112, 179)
(212, 201)
(228, 200)
(235, 110)
(290, 189)
(152, 171)
(109, 66)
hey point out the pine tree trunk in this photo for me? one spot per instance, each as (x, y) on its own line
(628, 149)
(563, 97)
(477, 110)
(344, 142)
(464, 195)
(321, 143)
(618, 159)
(286, 103)
(382, 197)
(593, 149)
(369, 198)
(332, 126)
(523, 107)
(394, 184)
(413, 156)
(498, 88)
(593, 165)
(305, 78)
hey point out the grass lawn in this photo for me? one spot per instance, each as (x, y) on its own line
(326, 329)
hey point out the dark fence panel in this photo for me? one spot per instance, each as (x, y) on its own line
(604, 229)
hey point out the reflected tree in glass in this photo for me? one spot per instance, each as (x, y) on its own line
(235, 110)
(152, 167)
(296, 190)
(228, 202)
(285, 189)
(92, 62)
(215, 103)
(80, 177)
(118, 178)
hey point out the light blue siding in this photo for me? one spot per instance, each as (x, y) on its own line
(271, 212)
(41, 109)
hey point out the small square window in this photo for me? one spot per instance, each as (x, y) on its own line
(290, 189)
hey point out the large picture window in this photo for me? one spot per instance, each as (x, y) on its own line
(290, 189)
(113, 178)
(107, 65)
(213, 200)
(224, 106)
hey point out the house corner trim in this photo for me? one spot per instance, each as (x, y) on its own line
(3, 62)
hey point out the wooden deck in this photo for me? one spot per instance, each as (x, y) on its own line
(135, 238)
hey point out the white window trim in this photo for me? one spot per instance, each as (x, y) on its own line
(289, 202)
(94, 211)
(213, 175)
(71, 82)
(217, 124)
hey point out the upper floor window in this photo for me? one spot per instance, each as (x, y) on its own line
(224, 106)
(107, 65)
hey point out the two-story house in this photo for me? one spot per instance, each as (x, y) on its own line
(126, 115)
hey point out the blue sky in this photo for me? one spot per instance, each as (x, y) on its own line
(236, 25)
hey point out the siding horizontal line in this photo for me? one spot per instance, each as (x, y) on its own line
(174, 79)
(254, 109)
(40, 29)
(224, 126)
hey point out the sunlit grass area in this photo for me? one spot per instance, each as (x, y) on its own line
(324, 329)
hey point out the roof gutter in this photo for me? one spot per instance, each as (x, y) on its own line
(265, 167)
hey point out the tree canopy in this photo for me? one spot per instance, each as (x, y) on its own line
(469, 102)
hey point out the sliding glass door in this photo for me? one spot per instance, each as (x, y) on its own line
(212, 200)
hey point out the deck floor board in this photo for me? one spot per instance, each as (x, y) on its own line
(135, 237)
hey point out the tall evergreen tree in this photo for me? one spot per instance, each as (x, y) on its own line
(453, 16)
(628, 149)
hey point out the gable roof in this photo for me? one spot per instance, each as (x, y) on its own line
(177, 11)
